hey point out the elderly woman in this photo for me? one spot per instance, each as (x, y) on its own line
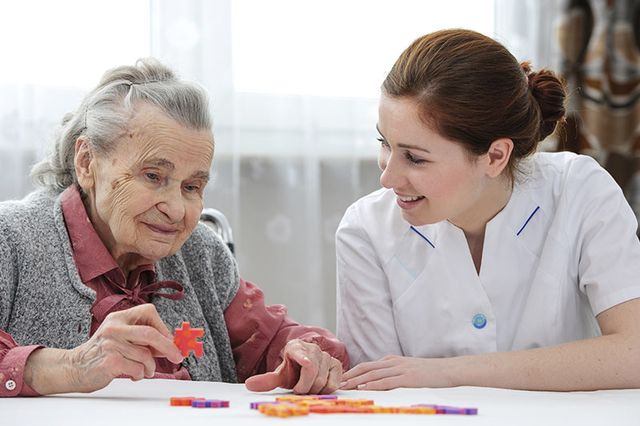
(100, 264)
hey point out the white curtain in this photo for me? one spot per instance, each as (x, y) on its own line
(286, 166)
(529, 29)
(288, 160)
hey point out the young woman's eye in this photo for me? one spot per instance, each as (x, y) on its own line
(383, 142)
(414, 160)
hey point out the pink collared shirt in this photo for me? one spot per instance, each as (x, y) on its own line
(257, 332)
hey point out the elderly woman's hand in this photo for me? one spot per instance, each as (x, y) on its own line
(125, 344)
(305, 369)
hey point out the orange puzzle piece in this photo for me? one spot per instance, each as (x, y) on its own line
(186, 340)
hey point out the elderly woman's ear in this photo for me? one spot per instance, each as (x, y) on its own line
(83, 161)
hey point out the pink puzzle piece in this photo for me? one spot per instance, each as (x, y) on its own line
(186, 340)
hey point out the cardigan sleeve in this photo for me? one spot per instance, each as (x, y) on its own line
(13, 357)
(7, 277)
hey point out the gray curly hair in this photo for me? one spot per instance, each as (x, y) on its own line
(104, 114)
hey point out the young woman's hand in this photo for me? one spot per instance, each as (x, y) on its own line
(395, 371)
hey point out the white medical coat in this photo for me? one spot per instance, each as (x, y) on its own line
(562, 250)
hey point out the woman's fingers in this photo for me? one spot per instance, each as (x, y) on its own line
(363, 368)
(145, 314)
(335, 377)
(143, 335)
(385, 383)
(307, 373)
(141, 355)
(322, 377)
(367, 372)
(132, 369)
(141, 325)
(264, 382)
(315, 369)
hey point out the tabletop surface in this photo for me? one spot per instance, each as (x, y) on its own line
(124, 402)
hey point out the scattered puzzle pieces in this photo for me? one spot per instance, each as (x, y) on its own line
(185, 339)
(300, 405)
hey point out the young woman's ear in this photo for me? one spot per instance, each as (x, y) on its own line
(83, 160)
(498, 156)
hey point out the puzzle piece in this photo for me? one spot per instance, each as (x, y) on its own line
(417, 410)
(210, 403)
(185, 339)
(283, 409)
(445, 409)
(297, 398)
(298, 405)
(182, 401)
(353, 402)
(254, 405)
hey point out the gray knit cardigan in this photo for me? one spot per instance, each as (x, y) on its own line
(44, 302)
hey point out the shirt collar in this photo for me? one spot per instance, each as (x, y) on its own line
(89, 252)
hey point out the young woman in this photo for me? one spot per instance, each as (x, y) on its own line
(482, 262)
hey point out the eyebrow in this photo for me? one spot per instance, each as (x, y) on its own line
(166, 164)
(201, 174)
(404, 145)
(161, 162)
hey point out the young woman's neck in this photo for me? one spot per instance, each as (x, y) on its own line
(493, 200)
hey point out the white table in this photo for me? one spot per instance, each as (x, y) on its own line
(146, 402)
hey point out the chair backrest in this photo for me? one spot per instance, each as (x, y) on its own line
(217, 221)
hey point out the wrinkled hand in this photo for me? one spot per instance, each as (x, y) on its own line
(305, 368)
(125, 344)
(395, 371)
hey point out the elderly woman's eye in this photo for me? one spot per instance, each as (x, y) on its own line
(192, 188)
(153, 177)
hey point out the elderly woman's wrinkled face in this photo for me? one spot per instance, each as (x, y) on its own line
(145, 197)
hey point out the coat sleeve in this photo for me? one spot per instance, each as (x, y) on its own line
(609, 250)
(365, 314)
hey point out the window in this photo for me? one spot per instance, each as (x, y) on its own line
(70, 42)
(336, 47)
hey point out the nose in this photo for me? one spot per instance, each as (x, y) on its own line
(172, 205)
(391, 176)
